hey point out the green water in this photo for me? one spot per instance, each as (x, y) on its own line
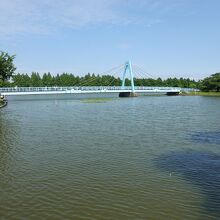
(133, 158)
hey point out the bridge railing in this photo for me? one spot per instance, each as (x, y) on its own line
(83, 88)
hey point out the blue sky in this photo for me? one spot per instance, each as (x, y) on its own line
(167, 38)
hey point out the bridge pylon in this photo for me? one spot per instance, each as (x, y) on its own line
(128, 68)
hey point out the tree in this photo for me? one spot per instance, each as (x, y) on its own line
(47, 80)
(211, 83)
(7, 67)
(22, 80)
(36, 79)
(68, 79)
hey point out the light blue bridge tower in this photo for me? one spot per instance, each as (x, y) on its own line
(128, 68)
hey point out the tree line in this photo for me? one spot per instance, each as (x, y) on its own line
(211, 83)
(7, 69)
(68, 79)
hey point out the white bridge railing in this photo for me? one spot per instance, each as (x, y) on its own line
(81, 88)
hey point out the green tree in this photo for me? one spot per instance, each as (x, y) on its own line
(7, 66)
(36, 79)
(68, 79)
(47, 80)
(211, 83)
(22, 80)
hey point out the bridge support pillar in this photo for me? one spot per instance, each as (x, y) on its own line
(128, 67)
(127, 94)
(172, 93)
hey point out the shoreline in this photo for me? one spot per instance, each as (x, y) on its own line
(3, 104)
(209, 94)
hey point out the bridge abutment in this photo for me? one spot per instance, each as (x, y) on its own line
(172, 93)
(127, 94)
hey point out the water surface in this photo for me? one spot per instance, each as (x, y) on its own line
(132, 158)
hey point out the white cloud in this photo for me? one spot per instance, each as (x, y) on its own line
(45, 16)
(37, 16)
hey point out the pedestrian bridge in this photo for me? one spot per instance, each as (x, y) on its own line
(122, 91)
(14, 91)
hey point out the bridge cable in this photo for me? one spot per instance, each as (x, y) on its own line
(140, 73)
(145, 73)
(115, 76)
(89, 81)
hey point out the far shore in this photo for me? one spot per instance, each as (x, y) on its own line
(215, 94)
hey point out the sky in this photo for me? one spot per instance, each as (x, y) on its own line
(166, 38)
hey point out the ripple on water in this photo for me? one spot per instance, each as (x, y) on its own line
(199, 168)
(206, 137)
(73, 160)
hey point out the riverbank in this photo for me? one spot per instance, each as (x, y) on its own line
(216, 94)
(3, 103)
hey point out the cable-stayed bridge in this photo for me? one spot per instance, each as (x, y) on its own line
(132, 71)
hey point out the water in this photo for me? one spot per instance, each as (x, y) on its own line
(132, 158)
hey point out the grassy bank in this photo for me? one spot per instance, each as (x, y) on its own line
(217, 94)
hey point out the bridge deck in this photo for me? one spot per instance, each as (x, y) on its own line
(82, 90)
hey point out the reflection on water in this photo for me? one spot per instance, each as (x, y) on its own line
(117, 159)
(8, 147)
(206, 137)
(199, 168)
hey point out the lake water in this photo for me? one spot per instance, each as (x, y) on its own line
(133, 158)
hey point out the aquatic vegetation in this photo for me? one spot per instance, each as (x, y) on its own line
(96, 100)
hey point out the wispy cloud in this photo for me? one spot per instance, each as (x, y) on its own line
(34, 16)
(25, 16)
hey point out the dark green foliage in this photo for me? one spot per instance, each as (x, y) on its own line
(67, 79)
(22, 80)
(7, 67)
(211, 83)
